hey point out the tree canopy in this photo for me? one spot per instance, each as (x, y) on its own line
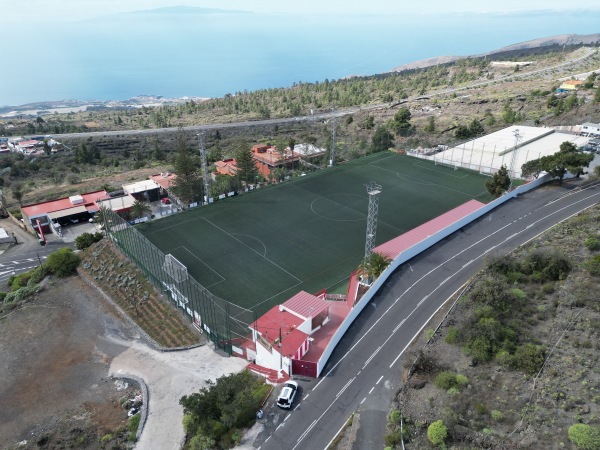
(567, 159)
(188, 184)
(381, 140)
(499, 183)
(247, 171)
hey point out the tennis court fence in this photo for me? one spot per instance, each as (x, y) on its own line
(223, 322)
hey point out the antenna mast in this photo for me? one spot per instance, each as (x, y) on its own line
(204, 162)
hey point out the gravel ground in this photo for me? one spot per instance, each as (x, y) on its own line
(58, 353)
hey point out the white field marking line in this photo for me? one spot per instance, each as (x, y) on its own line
(275, 295)
(363, 400)
(199, 259)
(424, 166)
(371, 357)
(255, 238)
(371, 390)
(333, 220)
(264, 257)
(378, 381)
(172, 226)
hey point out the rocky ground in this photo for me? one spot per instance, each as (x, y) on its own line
(55, 390)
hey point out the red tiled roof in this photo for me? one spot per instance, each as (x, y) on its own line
(39, 209)
(227, 166)
(397, 245)
(165, 180)
(274, 322)
(305, 305)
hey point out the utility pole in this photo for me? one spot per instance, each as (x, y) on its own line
(373, 189)
(204, 162)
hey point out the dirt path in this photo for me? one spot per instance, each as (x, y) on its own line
(170, 375)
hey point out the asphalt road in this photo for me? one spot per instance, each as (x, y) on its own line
(364, 371)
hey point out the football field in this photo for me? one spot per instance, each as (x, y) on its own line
(258, 249)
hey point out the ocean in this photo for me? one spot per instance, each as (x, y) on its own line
(177, 53)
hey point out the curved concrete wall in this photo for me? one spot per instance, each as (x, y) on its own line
(411, 253)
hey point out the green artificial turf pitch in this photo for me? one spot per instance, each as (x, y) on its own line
(259, 249)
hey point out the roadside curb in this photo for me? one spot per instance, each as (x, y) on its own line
(145, 399)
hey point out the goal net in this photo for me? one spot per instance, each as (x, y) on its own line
(175, 269)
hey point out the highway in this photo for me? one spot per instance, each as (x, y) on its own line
(365, 369)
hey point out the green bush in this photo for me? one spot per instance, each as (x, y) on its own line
(134, 423)
(448, 380)
(86, 239)
(453, 336)
(593, 265)
(394, 416)
(63, 262)
(437, 432)
(497, 415)
(592, 243)
(392, 439)
(529, 358)
(585, 437)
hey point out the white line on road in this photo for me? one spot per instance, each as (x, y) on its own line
(363, 400)
(306, 396)
(371, 357)
(398, 326)
(380, 378)
(371, 390)
(303, 435)
(345, 387)
(287, 417)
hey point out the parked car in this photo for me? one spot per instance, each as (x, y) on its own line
(165, 201)
(288, 392)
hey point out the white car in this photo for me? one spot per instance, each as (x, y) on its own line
(286, 397)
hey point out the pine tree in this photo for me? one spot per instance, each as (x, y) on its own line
(188, 184)
(246, 169)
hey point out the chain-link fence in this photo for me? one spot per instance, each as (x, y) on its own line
(226, 324)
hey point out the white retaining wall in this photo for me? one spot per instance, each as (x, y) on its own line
(414, 251)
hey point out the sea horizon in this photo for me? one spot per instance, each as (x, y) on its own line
(176, 53)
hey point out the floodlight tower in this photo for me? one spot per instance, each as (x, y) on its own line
(513, 161)
(373, 189)
(204, 162)
(332, 159)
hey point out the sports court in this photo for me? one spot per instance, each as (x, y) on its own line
(259, 249)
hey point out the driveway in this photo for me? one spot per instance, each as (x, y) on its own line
(169, 376)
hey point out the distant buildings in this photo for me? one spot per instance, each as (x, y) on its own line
(570, 85)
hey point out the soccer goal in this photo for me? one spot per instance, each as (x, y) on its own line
(175, 268)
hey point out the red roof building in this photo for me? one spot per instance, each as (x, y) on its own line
(227, 167)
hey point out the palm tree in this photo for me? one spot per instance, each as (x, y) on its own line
(374, 265)
(139, 209)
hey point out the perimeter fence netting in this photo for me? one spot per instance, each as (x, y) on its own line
(225, 323)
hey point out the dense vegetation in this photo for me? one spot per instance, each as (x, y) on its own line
(215, 416)
(515, 363)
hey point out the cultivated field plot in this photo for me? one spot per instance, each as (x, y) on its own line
(259, 249)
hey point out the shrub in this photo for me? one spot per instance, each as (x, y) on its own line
(497, 415)
(584, 436)
(63, 262)
(86, 239)
(445, 380)
(461, 380)
(593, 265)
(453, 335)
(394, 416)
(134, 423)
(592, 243)
(437, 432)
(392, 439)
(529, 358)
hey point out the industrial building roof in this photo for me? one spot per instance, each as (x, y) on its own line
(43, 208)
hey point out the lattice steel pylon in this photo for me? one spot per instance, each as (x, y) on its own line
(204, 162)
(513, 160)
(332, 159)
(373, 189)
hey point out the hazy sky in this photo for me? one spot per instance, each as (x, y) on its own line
(58, 10)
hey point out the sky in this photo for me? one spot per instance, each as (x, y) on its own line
(13, 11)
